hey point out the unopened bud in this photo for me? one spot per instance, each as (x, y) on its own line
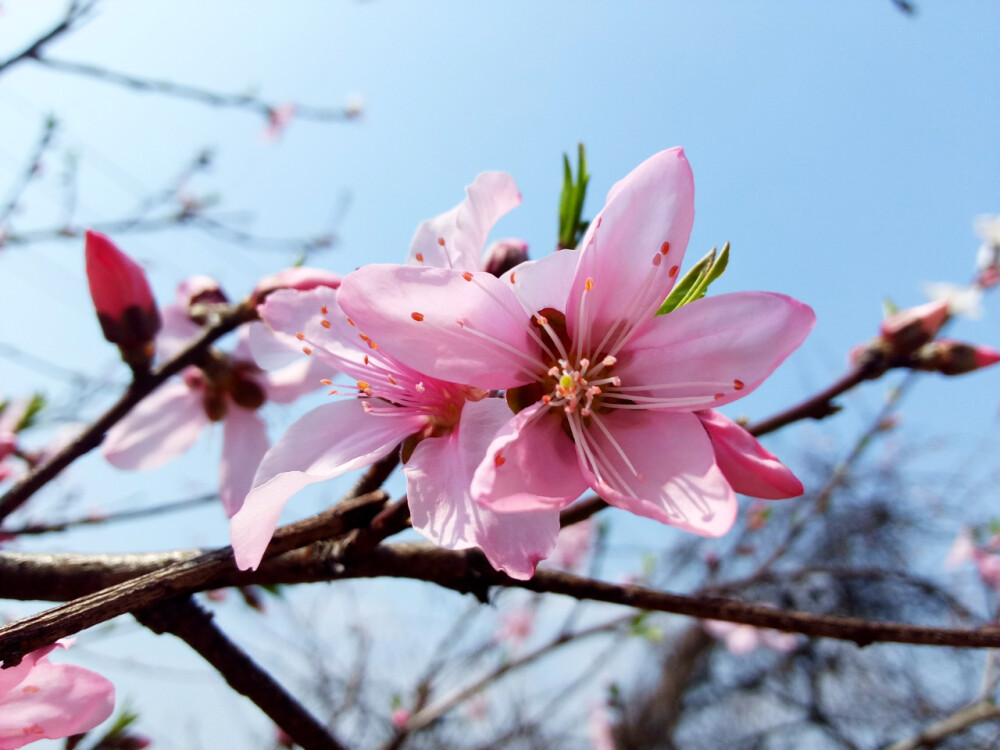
(908, 330)
(955, 358)
(300, 277)
(123, 300)
(504, 255)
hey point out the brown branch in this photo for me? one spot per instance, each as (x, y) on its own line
(465, 572)
(188, 575)
(183, 618)
(137, 390)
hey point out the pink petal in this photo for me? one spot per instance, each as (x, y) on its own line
(749, 467)
(531, 464)
(310, 320)
(438, 476)
(545, 283)
(415, 313)
(724, 345)
(464, 228)
(297, 379)
(324, 443)
(676, 479)
(178, 331)
(244, 443)
(633, 250)
(53, 701)
(162, 427)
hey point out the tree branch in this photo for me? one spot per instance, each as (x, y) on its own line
(183, 618)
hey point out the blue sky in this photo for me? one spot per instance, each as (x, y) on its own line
(842, 148)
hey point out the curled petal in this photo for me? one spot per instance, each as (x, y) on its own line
(749, 467)
(325, 443)
(456, 239)
(530, 464)
(162, 427)
(438, 476)
(670, 474)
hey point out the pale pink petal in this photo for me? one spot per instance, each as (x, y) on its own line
(310, 321)
(162, 427)
(297, 379)
(742, 640)
(633, 249)
(52, 701)
(324, 443)
(463, 328)
(721, 346)
(545, 283)
(748, 467)
(671, 474)
(438, 476)
(177, 333)
(271, 349)
(531, 464)
(456, 239)
(244, 443)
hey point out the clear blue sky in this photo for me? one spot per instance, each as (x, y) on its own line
(842, 148)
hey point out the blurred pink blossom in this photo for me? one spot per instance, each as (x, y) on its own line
(228, 388)
(515, 627)
(399, 717)
(573, 545)
(41, 700)
(278, 119)
(599, 728)
(742, 639)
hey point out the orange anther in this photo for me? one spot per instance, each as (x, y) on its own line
(325, 323)
(300, 336)
(589, 284)
(664, 248)
(417, 316)
(441, 241)
(738, 385)
(420, 257)
(467, 276)
(673, 271)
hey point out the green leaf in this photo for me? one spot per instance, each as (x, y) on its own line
(695, 283)
(574, 191)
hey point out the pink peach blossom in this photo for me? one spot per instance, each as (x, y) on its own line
(230, 389)
(573, 545)
(399, 717)
(445, 427)
(41, 700)
(605, 392)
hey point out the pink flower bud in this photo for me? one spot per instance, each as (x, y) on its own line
(301, 278)
(503, 255)
(909, 329)
(399, 717)
(125, 306)
(955, 358)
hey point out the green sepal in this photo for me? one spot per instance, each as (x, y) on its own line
(695, 283)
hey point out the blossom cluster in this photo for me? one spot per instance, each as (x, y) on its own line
(513, 392)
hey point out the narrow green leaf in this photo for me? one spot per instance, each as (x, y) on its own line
(683, 287)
